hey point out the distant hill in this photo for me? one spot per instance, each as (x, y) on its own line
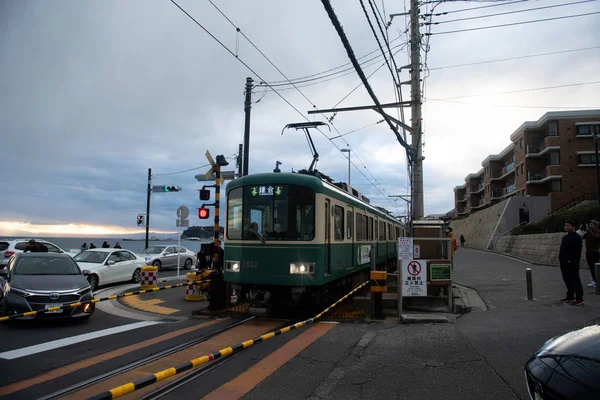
(201, 232)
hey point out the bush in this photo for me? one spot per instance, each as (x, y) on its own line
(556, 222)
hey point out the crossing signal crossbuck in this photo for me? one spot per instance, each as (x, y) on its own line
(203, 213)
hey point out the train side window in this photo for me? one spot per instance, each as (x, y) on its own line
(349, 225)
(359, 227)
(370, 228)
(381, 231)
(365, 227)
(389, 231)
(338, 222)
(375, 230)
(234, 214)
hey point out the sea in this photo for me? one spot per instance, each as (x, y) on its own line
(135, 245)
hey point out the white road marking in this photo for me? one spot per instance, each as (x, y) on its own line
(39, 348)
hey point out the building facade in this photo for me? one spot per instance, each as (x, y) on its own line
(552, 157)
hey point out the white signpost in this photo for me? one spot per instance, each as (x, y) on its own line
(414, 279)
(182, 213)
(405, 248)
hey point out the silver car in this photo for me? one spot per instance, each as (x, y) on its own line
(166, 257)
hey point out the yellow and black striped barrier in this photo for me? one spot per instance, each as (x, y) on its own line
(196, 362)
(97, 300)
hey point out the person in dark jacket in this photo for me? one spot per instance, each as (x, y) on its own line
(569, 257)
(591, 236)
(92, 246)
(118, 245)
(35, 247)
(105, 245)
(462, 240)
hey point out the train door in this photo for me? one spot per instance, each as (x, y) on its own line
(327, 236)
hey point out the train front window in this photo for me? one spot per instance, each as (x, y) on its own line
(271, 212)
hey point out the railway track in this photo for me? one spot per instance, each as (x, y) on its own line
(141, 362)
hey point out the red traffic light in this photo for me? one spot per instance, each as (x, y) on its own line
(140, 219)
(203, 213)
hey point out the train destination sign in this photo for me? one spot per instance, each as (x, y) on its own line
(266, 191)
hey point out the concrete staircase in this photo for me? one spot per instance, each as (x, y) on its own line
(478, 228)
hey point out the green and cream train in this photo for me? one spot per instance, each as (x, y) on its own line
(299, 238)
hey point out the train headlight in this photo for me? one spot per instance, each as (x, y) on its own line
(232, 266)
(302, 268)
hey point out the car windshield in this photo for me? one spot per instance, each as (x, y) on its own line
(95, 257)
(153, 250)
(46, 266)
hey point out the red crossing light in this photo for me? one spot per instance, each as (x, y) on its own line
(203, 213)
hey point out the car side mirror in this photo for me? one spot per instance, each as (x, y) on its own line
(166, 253)
(110, 262)
(86, 272)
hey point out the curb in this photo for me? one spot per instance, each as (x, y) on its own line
(515, 257)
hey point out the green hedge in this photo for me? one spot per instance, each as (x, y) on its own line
(556, 222)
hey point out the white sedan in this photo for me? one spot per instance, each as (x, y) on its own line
(110, 266)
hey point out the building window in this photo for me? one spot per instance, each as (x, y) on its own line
(556, 186)
(338, 223)
(586, 130)
(587, 159)
(520, 143)
(555, 158)
(553, 129)
(522, 169)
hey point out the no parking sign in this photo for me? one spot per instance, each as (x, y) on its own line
(414, 278)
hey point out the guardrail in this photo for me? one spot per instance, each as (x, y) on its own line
(131, 387)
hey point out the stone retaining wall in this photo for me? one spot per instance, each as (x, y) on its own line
(478, 227)
(539, 248)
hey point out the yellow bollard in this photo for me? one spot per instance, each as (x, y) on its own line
(192, 291)
(149, 277)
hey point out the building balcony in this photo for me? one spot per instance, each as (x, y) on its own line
(477, 189)
(540, 177)
(479, 204)
(539, 149)
(462, 199)
(463, 211)
(497, 193)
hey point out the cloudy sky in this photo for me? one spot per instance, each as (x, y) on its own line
(94, 93)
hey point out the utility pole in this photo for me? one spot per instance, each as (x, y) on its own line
(247, 108)
(415, 91)
(148, 205)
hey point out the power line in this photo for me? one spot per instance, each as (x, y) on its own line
(514, 58)
(472, 8)
(303, 95)
(359, 71)
(520, 90)
(519, 106)
(509, 12)
(514, 23)
(356, 130)
(188, 170)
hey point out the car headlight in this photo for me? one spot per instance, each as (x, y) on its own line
(302, 268)
(232, 266)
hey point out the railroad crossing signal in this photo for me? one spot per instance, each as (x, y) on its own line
(140, 220)
(166, 189)
(203, 213)
(204, 194)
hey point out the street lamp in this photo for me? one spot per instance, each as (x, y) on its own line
(347, 151)
(596, 134)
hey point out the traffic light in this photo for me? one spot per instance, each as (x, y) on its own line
(204, 194)
(166, 188)
(203, 213)
(140, 220)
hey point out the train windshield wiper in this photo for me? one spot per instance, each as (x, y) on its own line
(258, 236)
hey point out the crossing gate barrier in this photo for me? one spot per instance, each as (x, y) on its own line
(378, 285)
(149, 277)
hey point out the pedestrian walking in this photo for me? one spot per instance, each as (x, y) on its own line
(569, 256)
(462, 240)
(105, 245)
(591, 236)
(117, 245)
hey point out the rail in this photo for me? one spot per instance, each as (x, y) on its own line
(197, 362)
(574, 202)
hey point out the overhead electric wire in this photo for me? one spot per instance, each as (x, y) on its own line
(514, 58)
(344, 39)
(497, 3)
(519, 106)
(472, 8)
(515, 23)
(520, 90)
(188, 170)
(303, 95)
(356, 130)
(510, 12)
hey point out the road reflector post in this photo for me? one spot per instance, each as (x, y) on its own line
(149, 277)
(192, 289)
(529, 284)
(378, 287)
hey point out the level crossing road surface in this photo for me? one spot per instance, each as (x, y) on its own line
(480, 355)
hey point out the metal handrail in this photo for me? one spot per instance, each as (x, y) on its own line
(495, 240)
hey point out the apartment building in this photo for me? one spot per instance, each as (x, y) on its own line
(553, 156)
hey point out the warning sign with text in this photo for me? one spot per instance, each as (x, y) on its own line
(405, 248)
(414, 278)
